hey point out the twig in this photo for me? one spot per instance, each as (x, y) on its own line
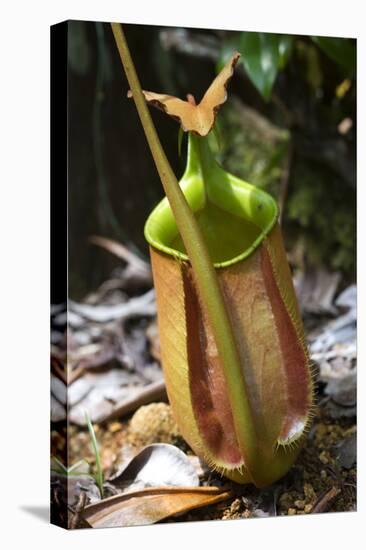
(325, 500)
(119, 250)
(155, 391)
(141, 306)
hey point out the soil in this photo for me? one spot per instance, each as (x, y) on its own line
(322, 480)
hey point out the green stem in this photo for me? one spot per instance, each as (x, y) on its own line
(203, 269)
(99, 471)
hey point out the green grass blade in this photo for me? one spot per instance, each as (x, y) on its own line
(99, 478)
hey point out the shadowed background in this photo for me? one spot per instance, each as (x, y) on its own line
(289, 128)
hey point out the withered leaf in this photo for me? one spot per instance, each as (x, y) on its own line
(140, 306)
(158, 464)
(150, 505)
(196, 118)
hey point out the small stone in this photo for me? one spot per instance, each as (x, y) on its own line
(247, 503)
(284, 498)
(323, 457)
(308, 508)
(321, 430)
(346, 452)
(115, 427)
(152, 423)
(309, 492)
(235, 506)
(258, 513)
(291, 512)
(350, 431)
(299, 504)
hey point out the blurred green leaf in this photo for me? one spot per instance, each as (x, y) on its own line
(263, 55)
(229, 46)
(260, 56)
(284, 48)
(308, 58)
(341, 50)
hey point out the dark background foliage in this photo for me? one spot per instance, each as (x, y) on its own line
(289, 126)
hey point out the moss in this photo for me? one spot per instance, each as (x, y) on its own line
(251, 147)
(321, 207)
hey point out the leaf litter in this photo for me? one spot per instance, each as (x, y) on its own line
(114, 372)
(159, 464)
(150, 505)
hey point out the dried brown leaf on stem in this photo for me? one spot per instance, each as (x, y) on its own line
(197, 118)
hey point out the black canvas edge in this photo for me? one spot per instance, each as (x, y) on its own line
(59, 233)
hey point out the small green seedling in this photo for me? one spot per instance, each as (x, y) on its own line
(98, 476)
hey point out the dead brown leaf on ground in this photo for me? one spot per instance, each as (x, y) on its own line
(149, 506)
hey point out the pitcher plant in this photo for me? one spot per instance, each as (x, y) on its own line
(233, 349)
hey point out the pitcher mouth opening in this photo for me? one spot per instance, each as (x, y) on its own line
(233, 215)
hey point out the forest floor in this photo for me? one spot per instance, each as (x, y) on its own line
(323, 479)
(115, 375)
